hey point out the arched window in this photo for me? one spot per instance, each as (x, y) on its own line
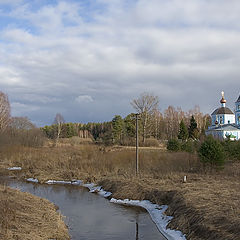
(221, 120)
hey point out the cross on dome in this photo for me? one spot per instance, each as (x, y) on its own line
(223, 100)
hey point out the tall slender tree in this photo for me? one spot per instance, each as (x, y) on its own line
(183, 131)
(117, 124)
(59, 121)
(145, 104)
(193, 130)
(5, 111)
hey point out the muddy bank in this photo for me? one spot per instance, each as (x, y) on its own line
(26, 217)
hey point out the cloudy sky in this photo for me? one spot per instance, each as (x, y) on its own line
(87, 59)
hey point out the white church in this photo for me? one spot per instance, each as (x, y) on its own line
(225, 123)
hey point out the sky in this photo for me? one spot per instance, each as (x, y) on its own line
(88, 59)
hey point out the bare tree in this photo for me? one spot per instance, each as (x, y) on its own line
(171, 119)
(22, 123)
(146, 104)
(4, 111)
(59, 121)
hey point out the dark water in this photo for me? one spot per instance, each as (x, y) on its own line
(92, 217)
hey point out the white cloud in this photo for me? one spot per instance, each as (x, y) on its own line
(21, 109)
(118, 49)
(84, 99)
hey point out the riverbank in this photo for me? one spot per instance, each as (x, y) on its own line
(24, 216)
(205, 207)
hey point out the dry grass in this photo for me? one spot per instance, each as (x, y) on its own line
(206, 207)
(74, 162)
(26, 217)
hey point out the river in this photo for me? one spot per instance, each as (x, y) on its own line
(92, 217)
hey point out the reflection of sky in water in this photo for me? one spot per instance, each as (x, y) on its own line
(90, 216)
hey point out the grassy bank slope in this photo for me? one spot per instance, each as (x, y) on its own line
(27, 217)
(206, 207)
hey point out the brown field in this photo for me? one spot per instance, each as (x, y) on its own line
(206, 207)
(27, 217)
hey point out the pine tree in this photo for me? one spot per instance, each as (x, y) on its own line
(117, 125)
(183, 131)
(193, 130)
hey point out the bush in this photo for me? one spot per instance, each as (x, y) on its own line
(149, 142)
(212, 152)
(232, 149)
(28, 138)
(173, 145)
(190, 146)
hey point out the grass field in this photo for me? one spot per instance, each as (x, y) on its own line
(205, 207)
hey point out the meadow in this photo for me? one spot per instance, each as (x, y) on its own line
(204, 207)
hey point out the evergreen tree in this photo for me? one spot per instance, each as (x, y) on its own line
(117, 125)
(193, 130)
(212, 152)
(183, 131)
(173, 145)
(130, 125)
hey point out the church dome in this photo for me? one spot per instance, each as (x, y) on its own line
(222, 110)
(223, 100)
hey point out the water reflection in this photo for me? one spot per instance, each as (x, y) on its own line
(136, 230)
(92, 217)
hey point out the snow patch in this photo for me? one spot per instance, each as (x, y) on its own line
(58, 182)
(97, 189)
(157, 214)
(14, 168)
(77, 182)
(91, 186)
(34, 180)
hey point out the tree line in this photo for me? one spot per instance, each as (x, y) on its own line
(153, 124)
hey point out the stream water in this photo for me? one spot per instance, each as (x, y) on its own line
(92, 217)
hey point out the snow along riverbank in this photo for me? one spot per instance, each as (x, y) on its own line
(156, 211)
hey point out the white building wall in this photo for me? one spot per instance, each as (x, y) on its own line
(237, 113)
(223, 119)
(223, 134)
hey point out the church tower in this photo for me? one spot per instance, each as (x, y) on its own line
(237, 111)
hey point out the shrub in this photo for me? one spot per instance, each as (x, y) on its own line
(150, 142)
(188, 146)
(212, 152)
(28, 138)
(173, 145)
(232, 149)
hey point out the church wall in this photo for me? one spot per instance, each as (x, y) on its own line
(237, 113)
(223, 119)
(223, 134)
(215, 134)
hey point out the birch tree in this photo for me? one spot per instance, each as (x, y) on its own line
(145, 105)
(5, 115)
(59, 121)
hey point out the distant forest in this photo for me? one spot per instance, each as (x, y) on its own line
(154, 125)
